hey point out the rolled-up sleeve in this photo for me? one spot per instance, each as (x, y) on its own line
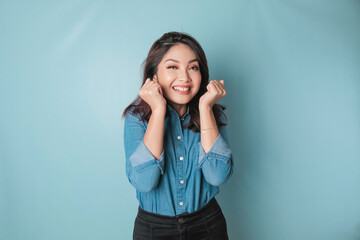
(217, 164)
(142, 168)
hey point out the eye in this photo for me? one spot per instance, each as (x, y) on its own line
(172, 67)
(195, 68)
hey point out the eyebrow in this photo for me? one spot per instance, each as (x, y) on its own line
(194, 60)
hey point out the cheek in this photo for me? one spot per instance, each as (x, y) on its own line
(166, 79)
(197, 80)
(168, 73)
(196, 87)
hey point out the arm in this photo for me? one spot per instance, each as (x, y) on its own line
(215, 155)
(144, 158)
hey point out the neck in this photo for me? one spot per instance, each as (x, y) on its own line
(179, 108)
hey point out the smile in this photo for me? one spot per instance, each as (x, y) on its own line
(181, 90)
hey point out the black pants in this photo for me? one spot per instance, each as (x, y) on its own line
(206, 223)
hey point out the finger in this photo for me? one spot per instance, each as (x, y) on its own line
(154, 87)
(152, 83)
(212, 86)
(221, 86)
(147, 81)
(218, 88)
(223, 83)
(147, 84)
(150, 87)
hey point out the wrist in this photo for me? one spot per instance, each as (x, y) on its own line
(205, 107)
(159, 110)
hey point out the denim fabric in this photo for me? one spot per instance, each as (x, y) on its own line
(208, 223)
(184, 178)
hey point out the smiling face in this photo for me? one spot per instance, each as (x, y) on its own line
(179, 75)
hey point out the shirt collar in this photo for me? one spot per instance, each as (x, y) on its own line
(173, 110)
(187, 112)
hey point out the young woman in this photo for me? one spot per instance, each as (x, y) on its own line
(176, 146)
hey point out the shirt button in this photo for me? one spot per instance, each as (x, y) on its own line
(182, 181)
(181, 203)
(181, 158)
(179, 137)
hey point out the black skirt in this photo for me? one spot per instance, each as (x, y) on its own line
(205, 223)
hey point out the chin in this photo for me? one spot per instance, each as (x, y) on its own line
(179, 101)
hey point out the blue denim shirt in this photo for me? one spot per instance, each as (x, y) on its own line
(184, 178)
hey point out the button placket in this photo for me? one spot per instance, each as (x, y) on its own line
(180, 173)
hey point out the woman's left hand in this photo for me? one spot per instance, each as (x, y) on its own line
(215, 92)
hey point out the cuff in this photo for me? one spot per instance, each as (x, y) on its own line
(220, 150)
(142, 159)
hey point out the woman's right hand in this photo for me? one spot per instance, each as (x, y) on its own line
(152, 94)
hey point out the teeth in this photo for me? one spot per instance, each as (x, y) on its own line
(181, 89)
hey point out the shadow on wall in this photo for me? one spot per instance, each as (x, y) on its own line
(235, 102)
(357, 237)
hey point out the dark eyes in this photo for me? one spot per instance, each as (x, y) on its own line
(193, 68)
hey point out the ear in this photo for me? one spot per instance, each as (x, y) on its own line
(155, 78)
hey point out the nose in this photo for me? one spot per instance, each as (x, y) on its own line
(184, 75)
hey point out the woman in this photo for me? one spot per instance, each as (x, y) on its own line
(176, 144)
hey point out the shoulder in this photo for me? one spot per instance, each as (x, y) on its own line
(132, 116)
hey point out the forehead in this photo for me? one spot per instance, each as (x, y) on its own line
(180, 52)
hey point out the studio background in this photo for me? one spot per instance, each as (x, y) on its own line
(292, 71)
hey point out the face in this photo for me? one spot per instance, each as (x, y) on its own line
(179, 75)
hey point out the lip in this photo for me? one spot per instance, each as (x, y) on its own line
(182, 92)
(183, 86)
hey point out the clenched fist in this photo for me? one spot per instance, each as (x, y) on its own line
(152, 94)
(216, 91)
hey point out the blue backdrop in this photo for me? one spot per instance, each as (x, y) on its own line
(292, 71)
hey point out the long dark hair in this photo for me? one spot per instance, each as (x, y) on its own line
(155, 55)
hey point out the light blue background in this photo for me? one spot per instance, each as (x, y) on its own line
(292, 70)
